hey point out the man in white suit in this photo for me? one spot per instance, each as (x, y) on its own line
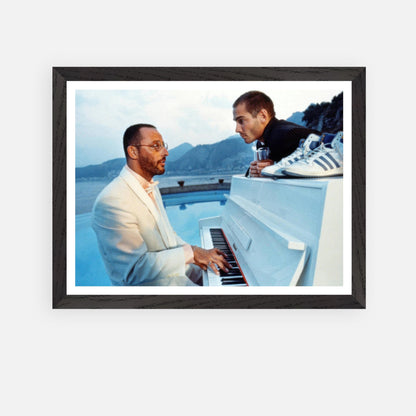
(135, 237)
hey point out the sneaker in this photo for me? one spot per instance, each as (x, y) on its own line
(305, 146)
(325, 160)
(327, 138)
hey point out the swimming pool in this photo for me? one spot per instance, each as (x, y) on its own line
(184, 211)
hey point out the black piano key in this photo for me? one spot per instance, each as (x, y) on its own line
(234, 268)
(231, 273)
(232, 279)
(233, 283)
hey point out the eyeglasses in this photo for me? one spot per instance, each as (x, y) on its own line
(157, 147)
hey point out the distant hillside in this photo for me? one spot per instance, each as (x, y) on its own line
(297, 118)
(106, 170)
(179, 151)
(325, 117)
(230, 155)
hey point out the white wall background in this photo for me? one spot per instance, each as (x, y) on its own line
(288, 362)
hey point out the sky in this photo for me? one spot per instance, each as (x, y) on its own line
(193, 112)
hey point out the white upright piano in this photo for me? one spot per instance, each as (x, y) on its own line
(284, 232)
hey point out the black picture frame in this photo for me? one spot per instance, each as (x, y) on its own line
(356, 300)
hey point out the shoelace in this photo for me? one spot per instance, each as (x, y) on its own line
(313, 154)
(298, 153)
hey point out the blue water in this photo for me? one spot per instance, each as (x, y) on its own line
(184, 212)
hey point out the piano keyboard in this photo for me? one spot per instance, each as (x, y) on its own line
(234, 277)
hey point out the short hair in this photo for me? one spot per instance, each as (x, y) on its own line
(131, 133)
(256, 101)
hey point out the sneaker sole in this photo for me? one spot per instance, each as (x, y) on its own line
(273, 175)
(333, 172)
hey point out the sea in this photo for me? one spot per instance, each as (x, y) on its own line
(87, 191)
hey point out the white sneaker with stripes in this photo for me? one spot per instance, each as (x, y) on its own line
(305, 146)
(325, 160)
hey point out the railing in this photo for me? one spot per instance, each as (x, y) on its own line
(224, 186)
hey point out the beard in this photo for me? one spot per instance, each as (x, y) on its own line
(160, 170)
(153, 166)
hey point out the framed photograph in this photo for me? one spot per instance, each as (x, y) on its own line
(208, 175)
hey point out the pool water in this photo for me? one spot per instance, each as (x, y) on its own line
(184, 212)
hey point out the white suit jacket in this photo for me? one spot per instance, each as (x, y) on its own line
(136, 239)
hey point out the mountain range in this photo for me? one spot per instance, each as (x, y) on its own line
(227, 156)
(178, 151)
(230, 155)
(297, 118)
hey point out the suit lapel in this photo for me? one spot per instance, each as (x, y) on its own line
(170, 233)
(158, 214)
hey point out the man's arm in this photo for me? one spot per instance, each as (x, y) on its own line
(127, 257)
(129, 262)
